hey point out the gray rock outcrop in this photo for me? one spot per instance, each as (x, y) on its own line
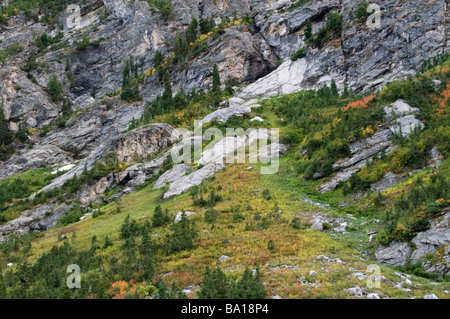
(185, 183)
(396, 254)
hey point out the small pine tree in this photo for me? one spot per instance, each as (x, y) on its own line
(55, 90)
(216, 85)
(125, 229)
(183, 235)
(361, 12)
(271, 245)
(158, 59)
(6, 136)
(308, 30)
(108, 242)
(191, 33)
(167, 95)
(215, 285)
(160, 218)
(334, 89)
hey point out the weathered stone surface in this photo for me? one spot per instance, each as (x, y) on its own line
(223, 258)
(223, 115)
(142, 143)
(361, 59)
(218, 153)
(172, 175)
(396, 254)
(400, 108)
(430, 241)
(361, 151)
(389, 180)
(317, 224)
(40, 218)
(185, 183)
(407, 125)
(180, 215)
(356, 292)
(436, 157)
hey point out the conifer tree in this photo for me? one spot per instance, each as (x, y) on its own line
(334, 89)
(216, 85)
(6, 136)
(158, 59)
(167, 95)
(160, 218)
(192, 33)
(308, 30)
(55, 90)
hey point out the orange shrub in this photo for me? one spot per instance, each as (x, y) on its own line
(361, 104)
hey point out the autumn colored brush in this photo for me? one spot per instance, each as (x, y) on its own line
(360, 104)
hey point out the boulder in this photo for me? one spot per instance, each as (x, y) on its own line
(356, 292)
(185, 183)
(317, 224)
(430, 241)
(223, 258)
(396, 254)
(172, 175)
(389, 180)
(407, 125)
(180, 214)
(400, 108)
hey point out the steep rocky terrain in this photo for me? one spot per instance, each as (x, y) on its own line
(108, 151)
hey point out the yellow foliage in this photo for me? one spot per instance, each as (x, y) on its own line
(336, 121)
(368, 131)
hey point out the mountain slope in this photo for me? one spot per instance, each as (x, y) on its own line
(363, 118)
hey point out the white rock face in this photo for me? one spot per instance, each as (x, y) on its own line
(257, 119)
(356, 292)
(430, 241)
(394, 255)
(234, 106)
(65, 168)
(401, 108)
(433, 296)
(172, 175)
(180, 214)
(436, 158)
(286, 79)
(407, 125)
(317, 224)
(185, 183)
(224, 258)
(221, 149)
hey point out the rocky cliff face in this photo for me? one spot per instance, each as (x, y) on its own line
(362, 58)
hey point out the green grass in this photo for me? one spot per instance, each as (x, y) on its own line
(241, 188)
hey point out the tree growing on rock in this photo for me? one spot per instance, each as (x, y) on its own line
(167, 95)
(6, 137)
(308, 30)
(55, 90)
(216, 84)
